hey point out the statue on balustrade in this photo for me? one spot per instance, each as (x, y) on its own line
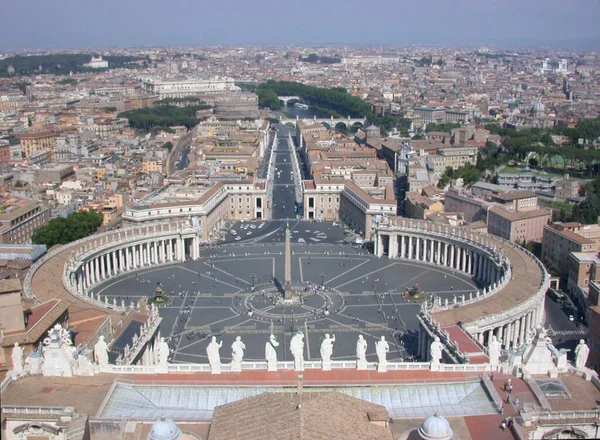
(162, 350)
(327, 348)
(101, 352)
(494, 350)
(212, 351)
(382, 348)
(237, 350)
(582, 352)
(271, 353)
(17, 358)
(361, 349)
(435, 351)
(297, 349)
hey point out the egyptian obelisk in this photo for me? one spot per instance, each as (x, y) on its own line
(288, 263)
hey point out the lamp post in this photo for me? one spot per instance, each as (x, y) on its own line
(253, 276)
(322, 275)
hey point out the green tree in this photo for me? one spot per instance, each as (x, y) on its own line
(589, 129)
(76, 225)
(268, 99)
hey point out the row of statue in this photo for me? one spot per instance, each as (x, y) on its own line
(158, 353)
(296, 348)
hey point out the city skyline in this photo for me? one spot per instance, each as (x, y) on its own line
(556, 23)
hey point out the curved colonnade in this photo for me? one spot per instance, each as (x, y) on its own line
(514, 282)
(95, 259)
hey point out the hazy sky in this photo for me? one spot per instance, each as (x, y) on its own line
(102, 23)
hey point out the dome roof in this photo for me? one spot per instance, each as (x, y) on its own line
(539, 107)
(164, 429)
(435, 427)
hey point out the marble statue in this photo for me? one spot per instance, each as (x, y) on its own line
(101, 352)
(327, 351)
(435, 351)
(237, 354)
(271, 353)
(327, 348)
(382, 348)
(214, 359)
(17, 358)
(297, 349)
(582, 352)
(494, 348)
(162, 350)
(361, 349)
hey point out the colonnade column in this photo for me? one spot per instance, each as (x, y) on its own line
(181, 249)
(451, 260)
(410, 247)
(438, 256)
(402, 246)
(516, 332)
(96, 270)
(102, 259)
(469, 262)
(418, 250)
(521, 329)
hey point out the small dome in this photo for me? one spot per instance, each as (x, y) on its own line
(538, 107)
(435, 427)
(164, 429)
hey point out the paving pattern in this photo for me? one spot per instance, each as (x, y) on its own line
(232, 291)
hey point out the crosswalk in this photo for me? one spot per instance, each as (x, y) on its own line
(579, 332)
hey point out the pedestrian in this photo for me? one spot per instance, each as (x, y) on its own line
(492, 377)
(508, 398)
(503, 425)
(517, 402)
(510, 388)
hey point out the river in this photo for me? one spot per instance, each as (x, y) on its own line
(300, 112)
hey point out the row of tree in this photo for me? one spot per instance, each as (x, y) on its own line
(469, 173)
(61, 230)
(314, 58)
(62, 64)
(164, 115)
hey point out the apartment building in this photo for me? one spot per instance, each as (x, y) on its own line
(451, 157)
(516, 200)
(583, 267)
(152, 166)
(473, 208)
(33, 142)
(561, 239)
(520, 225)
(420, 207)
(19, 221)
(326, 198)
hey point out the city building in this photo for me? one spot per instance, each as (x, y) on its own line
(521, 226)
(20, 220)
(187, 87)
(37, 141)
(420, 207)
(561, 239)
(97, 63)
